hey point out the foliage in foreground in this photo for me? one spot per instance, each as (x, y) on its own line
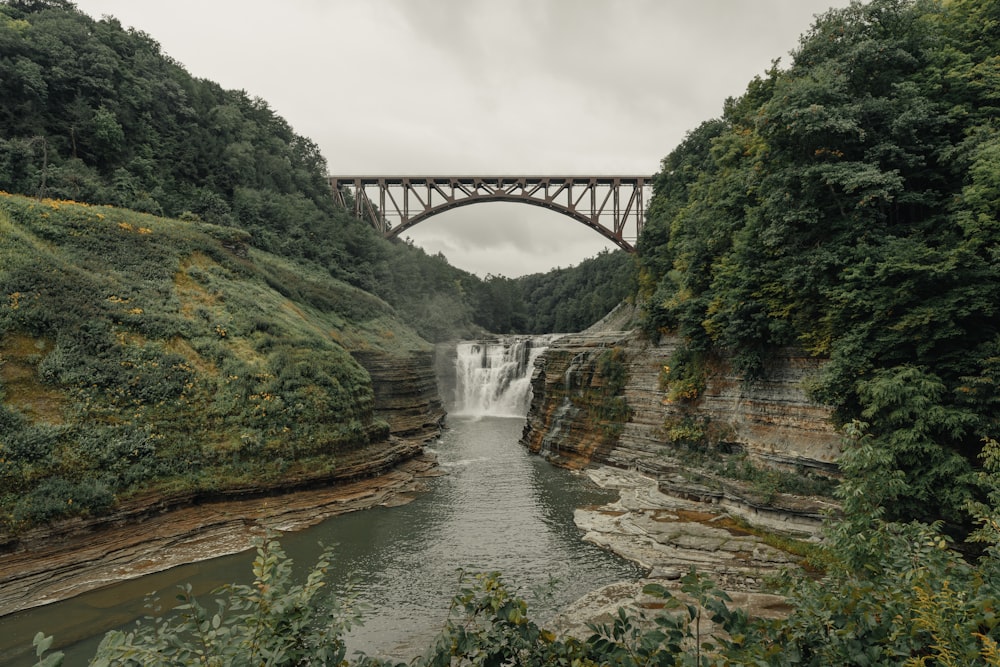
(893, 594)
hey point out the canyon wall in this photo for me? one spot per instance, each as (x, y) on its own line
(771, 420)
(406, 392)
(717, 478)
(156, 531)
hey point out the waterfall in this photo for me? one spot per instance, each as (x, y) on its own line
(493, 378)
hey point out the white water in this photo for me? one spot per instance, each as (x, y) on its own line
(493, 378)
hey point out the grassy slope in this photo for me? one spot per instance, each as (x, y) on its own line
(141, 353)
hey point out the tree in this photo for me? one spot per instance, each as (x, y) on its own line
(845, 205)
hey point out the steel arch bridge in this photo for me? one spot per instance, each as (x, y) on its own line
(611, 205)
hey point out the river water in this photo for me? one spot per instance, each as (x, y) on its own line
(497, 507)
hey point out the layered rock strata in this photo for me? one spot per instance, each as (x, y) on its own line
(669, 536)
(155, 532)
(676, 511)
(149, 535)
(406, 393)
(771, 419)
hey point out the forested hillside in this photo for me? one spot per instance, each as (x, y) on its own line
(142, 354)
(93, 112)
(195, 334)
(560, 301)
(849, 205)
(195, 318)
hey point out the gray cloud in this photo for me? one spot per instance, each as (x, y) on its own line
(477, 87)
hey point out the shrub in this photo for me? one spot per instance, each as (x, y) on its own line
(56, 498)
(271, 621)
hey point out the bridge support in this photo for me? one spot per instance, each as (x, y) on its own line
(611, 205)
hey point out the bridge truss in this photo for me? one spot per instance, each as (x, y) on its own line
(611, 205)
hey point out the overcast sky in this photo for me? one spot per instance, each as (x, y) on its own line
(483, 87)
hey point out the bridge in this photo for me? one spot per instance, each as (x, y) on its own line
(610, 205)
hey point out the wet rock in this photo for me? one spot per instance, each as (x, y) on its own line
(671, 536)
(674, 514)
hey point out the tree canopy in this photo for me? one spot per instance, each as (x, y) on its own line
(559, 301)
(93, 112)
(848, 205)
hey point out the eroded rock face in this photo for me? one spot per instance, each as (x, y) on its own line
(670, 535)
(563, 422)
(406, 393)
(771, 419)
(677, 511)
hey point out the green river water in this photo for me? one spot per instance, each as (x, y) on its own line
(496, 508)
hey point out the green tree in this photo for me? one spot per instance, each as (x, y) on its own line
(271, 621)
(845, 205)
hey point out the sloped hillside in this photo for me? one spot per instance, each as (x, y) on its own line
(92, 111)
(145, 354)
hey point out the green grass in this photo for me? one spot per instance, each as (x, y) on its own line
(139, 353)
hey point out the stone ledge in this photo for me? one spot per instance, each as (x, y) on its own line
(670, 536)
(63, 560)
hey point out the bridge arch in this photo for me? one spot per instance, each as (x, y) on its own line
(613, 206)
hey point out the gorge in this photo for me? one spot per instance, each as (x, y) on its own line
(487, 384)
(200, 340)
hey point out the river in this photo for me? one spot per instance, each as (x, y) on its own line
(497, 507)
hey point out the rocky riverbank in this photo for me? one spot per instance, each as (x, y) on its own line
(700, 479)
(63, 560)
(156, 531)
(669, 535)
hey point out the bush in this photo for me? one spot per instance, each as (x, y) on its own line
(272, 621)
(56, 498)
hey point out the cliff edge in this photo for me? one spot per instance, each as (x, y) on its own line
(599, 397)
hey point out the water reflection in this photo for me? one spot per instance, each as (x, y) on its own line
(498, 508)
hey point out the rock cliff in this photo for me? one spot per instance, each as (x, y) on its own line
(771, 419)
(703, 481)
(406, 393)
(725, 448)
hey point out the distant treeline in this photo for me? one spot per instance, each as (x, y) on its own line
(562, 300)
